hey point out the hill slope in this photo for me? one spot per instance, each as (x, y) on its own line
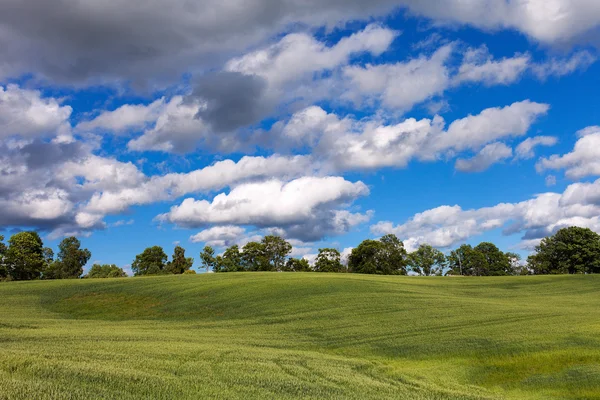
(275, 335)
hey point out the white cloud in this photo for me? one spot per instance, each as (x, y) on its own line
(178, 129)
(27, 114)
(369, 144)
(550, 180)
(126, 117)
(558, 67)
(542, 215)
(491, 124)
(307, 208)
(217, 176)
(525, 149)
(478, 66)
(583, 161)
(401, 85)
(489, 155)
(299, 54)
(547, 21)
(219, 236)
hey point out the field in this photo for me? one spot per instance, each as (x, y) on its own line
(293, 335)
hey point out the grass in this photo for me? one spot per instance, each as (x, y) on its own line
(293, 335)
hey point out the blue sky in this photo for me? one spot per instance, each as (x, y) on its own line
(325, 123)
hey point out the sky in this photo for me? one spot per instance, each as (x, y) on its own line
(326, 122)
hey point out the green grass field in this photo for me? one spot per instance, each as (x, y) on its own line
(293, 335)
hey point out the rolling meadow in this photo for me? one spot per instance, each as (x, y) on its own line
(301, 335)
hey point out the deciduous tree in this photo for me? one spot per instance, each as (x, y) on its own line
(24, 257)
(571, 250)
(105, 271)
(151, 261)
(254, 257)
(70, 260)
(207, 256)
(328, 260)
(427, 260)
(179, 263)
(297, 265)
(276, 251)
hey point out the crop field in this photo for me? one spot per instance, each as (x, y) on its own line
(301, 335)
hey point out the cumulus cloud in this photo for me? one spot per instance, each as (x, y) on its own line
(525, 149)
(489, 155)
(583, 161)
(126, 117)
(540, 216)
(307, 208)
(367, 144)
(403, 84)
(160, 40)
(557, 67)
(479, 66)
(219, 236)
(27, 114)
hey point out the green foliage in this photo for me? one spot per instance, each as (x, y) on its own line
(328, 260)
(297, 265)
(179, 263)
(385, 256)
(3, 268)
(427, 261)
(255, 258)
(207, 256)
(151, 262)
(301, 336)
(230, 261)
(189, 272)
(105, 271)
(570, 251)
(24, 258)
(496, 262)
(276, 251)
(70, 260)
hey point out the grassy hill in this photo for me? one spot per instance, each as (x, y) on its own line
(292, 335)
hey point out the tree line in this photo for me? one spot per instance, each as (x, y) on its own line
(570, 250)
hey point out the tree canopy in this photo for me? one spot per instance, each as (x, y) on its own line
(179, 264)
(24, 258)
(151, 261)
(70, 260)
(105, 271)
(385, 256)
(571, 250)
(427, 260)
(328, 260)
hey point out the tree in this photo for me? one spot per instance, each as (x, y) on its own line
(571, 250)
(105, 271)
(276, 251)
(3, 269)
(151, 261)
(385, 256)
(70, 260)
(467, 261)
(230, 261)
(427, 261)
(207, 256)
(24, 258)
(297, 265)
(496, 262)
(516, 267)
(393, 256)
(328, 260)
(254, 257)
(364, 258)
(179, 263)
